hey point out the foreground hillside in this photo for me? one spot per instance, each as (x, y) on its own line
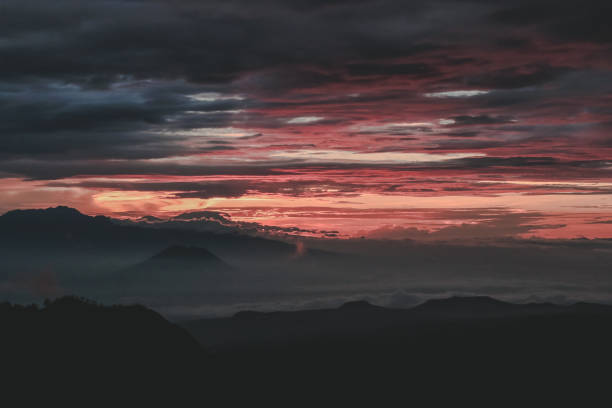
(459, 350)
(72, 345)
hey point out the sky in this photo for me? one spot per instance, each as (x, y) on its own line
(383, 119)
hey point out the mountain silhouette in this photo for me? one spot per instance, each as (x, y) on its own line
(63, 230)
(458, 305)
(178, 268)
(359, 306)
(470, 349)
(364, 319)
(185, 253)
(55, 221)
(75, 344)
(337, 353)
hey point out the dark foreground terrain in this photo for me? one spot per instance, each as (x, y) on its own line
(452, 351)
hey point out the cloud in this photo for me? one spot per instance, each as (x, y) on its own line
(132, 119)
(561, 20)
(221, 222)
(301, 120)
(359, 96)
(322, 156)
(410, 70)
(457, 94)
(517, 77)
(601, 222)
(500, 225)
(464, 120)
(227, 188)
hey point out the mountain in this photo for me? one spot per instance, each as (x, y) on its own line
(54, 251)
(60, 226)
(360, 306)
(177, 267)
(41, 237)
(484, 306)
(60, 222)
(364, 319)
(72, 342)
(186, 254)
(428, 354)
(467, 306)
(73, 347)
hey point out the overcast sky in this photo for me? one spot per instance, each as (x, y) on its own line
(392, 119)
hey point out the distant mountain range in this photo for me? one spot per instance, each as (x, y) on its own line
(360, 318)
(61, 232)
(67, 227)
(56, 251)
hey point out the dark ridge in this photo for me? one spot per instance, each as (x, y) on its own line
(465, 304)
(84, 349)
(201, 214)
(353, 306)
(180, 252)
(67, 229)
(50, 215)
(149, 218)
(60, 211)
(70, 332)
(453, 306)
(74, 344)
(176, 258)
(176, 268)
(359, 305)
(52, 219)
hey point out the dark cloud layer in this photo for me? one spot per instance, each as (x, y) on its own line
(279, 97)
(102, 78)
